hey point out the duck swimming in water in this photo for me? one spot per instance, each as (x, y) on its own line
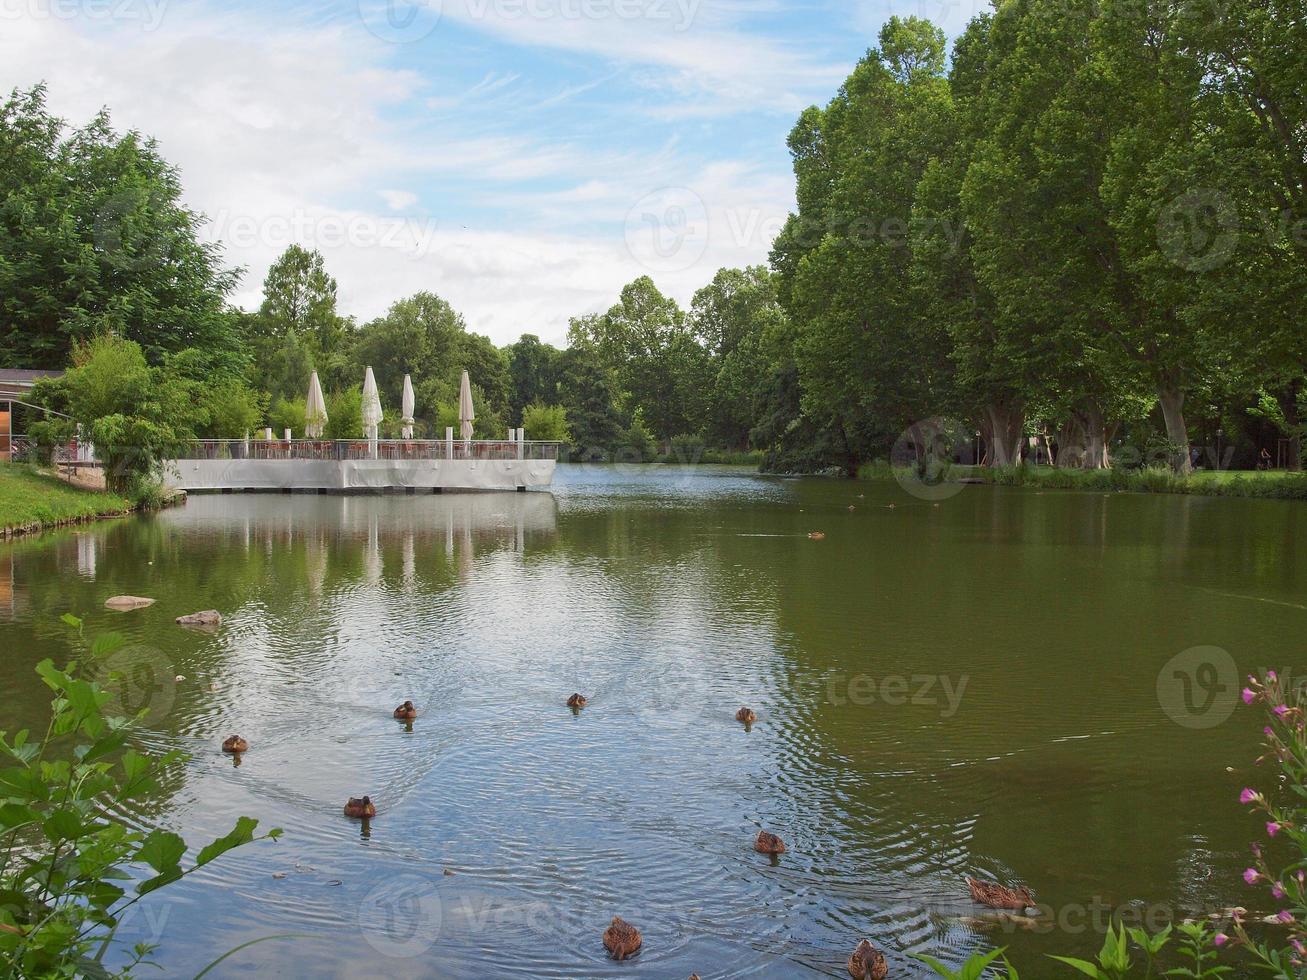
(768, 843)
(817, 535)
(1000, 897)
(406, 711)
(235, 744)
(746, 715)
(577, 701)
(360, 808)
(621, 939)
(868, 963)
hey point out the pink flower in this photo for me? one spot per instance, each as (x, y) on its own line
(1272, 828)
(1280, 710)
(1248, 695)
(1277, 891)
(1248, 795)
(1270, 676)
(1220, 939)
(1285, 915)
(1267, 731)
(1251, 875)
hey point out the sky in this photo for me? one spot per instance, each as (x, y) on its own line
(524, 159)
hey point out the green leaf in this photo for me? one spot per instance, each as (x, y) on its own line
(158, 881)
(242, 833)
(1084, 966)
(162, 850)
(64, 824)
(70, 620)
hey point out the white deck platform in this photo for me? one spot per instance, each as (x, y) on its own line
(429, 467)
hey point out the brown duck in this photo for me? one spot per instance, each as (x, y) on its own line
(817, 535)
(360, 808)
(868, 963)
(767, 843)
(235, 744)
(577, 701)
(406, 711)
(1000, 897)
(746, 715)
(621, 939)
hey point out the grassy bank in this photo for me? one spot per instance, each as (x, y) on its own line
(32, 501)
(1225, 483)
(712, 456)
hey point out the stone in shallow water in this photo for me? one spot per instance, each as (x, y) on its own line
(205, 617)
(122, 603)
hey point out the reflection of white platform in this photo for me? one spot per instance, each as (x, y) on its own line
(359, 474)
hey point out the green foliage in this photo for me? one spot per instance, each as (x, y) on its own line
(637, 441)
(286, 413)
(546, 423)
(344, 414)
(137, 415)
(68, 868)
(94, 237)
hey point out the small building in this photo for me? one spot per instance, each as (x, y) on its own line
(15, 387)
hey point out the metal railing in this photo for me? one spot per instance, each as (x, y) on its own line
(347, 449)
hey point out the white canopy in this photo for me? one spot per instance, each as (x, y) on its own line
(371, 409)
(466, 416)
(408, 404)
(315, 409)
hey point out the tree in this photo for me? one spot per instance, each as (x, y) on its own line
(546, 423)
(297, 329)
(588, 390)
(94, 238)
(137, 415)
(868, 363)
(733, 317)
(533, 374)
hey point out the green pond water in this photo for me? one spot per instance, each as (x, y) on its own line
(1003, 685)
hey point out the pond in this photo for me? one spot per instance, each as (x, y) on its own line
(1002, 683)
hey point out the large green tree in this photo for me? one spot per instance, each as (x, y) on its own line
(94, 238)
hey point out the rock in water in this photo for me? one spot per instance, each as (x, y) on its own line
(122, 603)
(205, 617)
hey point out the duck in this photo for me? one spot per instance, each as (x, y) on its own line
(746, 715)
(360, 808)
(406, 711)
(621, 939)
(817, 535)
(852, 508)
(999, 896)
(768, 843)
(868, 963)
(577, 701)
(235, 744)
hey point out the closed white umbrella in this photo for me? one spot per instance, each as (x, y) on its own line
(408, 403)
(466, 416)
(315, 409)
(371, 410)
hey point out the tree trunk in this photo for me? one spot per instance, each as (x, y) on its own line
(1288, 400)
(1177, 432)
(1095, 438)
(1004, 432)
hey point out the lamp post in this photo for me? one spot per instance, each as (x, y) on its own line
(1219, 459)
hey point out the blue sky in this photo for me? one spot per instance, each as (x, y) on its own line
(523, 158)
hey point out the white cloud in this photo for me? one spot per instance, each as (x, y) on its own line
(295, 133)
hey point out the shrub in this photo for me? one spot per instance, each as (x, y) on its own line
(546, 423)
(64, 856)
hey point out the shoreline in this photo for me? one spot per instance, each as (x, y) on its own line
(32, 501)
(1246, 484)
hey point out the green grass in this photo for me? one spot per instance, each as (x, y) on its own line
(30, 501)
(1226, 483)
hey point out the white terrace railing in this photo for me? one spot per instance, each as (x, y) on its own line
(347, 449)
